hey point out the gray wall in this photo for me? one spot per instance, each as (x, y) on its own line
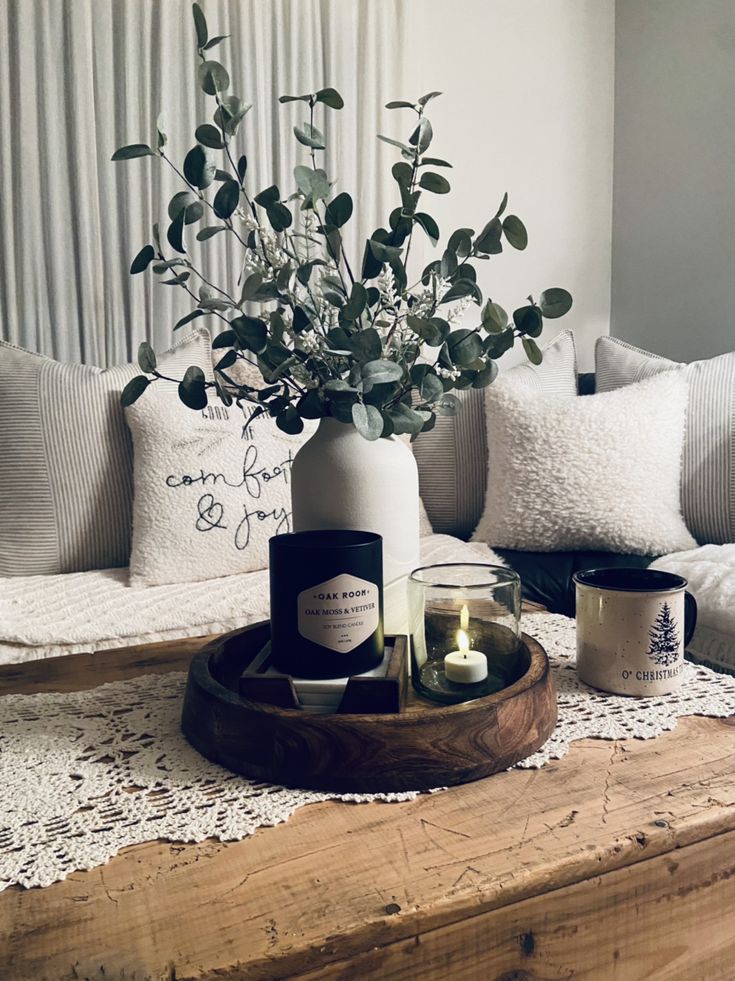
(673, 256)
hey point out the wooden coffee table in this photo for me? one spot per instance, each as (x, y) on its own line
(616, 862)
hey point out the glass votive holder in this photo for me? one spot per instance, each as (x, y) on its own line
(465, 630)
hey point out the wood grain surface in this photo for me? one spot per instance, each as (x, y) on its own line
(617, 862)
(428, 745)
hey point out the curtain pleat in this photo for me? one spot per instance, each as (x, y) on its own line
(79, 78)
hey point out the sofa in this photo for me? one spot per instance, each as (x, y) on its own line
(50, 611)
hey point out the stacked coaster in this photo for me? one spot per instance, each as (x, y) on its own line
(321, 695)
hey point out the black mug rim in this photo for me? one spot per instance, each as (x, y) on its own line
(326, 539)
(656, 580)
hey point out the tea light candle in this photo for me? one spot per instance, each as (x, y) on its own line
(464, 666)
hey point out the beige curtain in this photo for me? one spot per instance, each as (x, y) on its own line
(79, 78)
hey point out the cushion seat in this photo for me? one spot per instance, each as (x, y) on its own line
(69, 613)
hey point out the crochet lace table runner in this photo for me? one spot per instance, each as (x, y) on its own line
(85, 774)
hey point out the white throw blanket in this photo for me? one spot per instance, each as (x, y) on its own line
(710, 571)
(46, 616)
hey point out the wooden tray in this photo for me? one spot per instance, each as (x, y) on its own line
(428, 745)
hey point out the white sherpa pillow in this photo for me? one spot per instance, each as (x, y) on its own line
(591, 472)
(209, 490)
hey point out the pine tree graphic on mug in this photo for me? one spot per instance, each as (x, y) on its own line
(664, 634)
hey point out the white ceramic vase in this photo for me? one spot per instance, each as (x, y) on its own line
(341, 480)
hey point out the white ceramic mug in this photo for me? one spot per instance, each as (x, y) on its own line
(633, 626)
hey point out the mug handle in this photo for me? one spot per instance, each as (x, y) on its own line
(690, 618)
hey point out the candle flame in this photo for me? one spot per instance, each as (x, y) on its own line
(463, 641)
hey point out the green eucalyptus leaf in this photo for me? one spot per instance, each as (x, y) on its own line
(368, 420)
(331, 98)
(213, 77)
(449, 405)
(402, 173)
(533, 352)
(460, 289)
(366, 345)
(503, 205)
(230, 112)
(353, 309)
(429, 226)
(192, 388)
(460, 242)
(143, 259)
(224, 339)
(134, 389)
(339, 210)
(401, 146)
(434, 162)
(310, 406)
(209, 135)
(294, 98)
(431, 388)
(383, 253)
(427, 98)
(146, 357)
(242, 167)
(200, 23)
(313, 184)
(176, 280)
(181, 203)
(528, 320)
(465, 346)
(486, 376)
(161, 131)
(555, 302)
(433, 331)
(494, 317)
(226, 361)
(251, 333)
(400, 104)
(162, 267)
(175, 234)
(380, 371)
(215, 41)
(268, 197)
(310, 136)
(133, 150)
(488, 240)
(515, 232)
(434, 183)
(194, 315)
(199, 166)
(405, 419)
(204, 233)
(496, 345)
(422, 135)
(279, 216)
(226, 199)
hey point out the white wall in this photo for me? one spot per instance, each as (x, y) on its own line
(528, 108)
(674, 213)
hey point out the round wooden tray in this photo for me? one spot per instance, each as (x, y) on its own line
(427, 745)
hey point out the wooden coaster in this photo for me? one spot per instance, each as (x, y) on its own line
(360, 694)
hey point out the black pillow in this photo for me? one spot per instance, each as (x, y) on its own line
(546, 577)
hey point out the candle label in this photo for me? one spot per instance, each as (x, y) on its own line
(340, 613)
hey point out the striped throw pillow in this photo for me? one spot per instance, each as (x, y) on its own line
(66, 467)
(452, 458)
(708, 462)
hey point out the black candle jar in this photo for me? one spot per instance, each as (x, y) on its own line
(326, 603)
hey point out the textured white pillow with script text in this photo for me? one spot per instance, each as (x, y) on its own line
(209, 490)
